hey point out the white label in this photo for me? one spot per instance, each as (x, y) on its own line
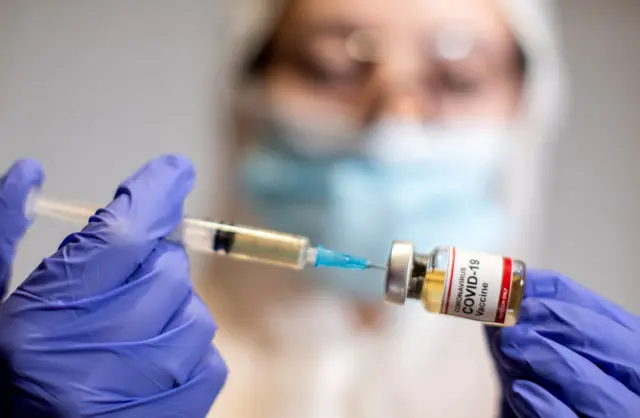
(477, 286)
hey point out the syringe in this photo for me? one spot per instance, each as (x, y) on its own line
(241, 242)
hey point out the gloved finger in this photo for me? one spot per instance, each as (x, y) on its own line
(569, 377)
(153, 294)
(155, 364)
(183, 342)
(192, 399)
(207, 380)
(529, 400)
(145, 303)
(147, 207)
(15, 186)
(204, 385)
(552, 285)
(602, 341)
(169, 358)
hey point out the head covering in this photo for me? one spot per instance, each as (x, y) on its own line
(535, 28)
(427, 354)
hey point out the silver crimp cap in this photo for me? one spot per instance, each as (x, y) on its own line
(399, 268)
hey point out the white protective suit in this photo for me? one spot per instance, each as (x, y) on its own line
(422, 365)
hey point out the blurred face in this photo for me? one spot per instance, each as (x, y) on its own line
(359, 61)
(405, 69)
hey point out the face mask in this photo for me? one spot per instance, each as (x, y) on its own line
(428, 185)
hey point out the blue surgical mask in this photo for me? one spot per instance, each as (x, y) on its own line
(425, 184)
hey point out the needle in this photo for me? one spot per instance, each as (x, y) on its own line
(375, 266)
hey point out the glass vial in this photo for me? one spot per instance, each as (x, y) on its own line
(451, 281)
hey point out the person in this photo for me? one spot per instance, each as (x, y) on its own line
(357, 122)
(324, 346)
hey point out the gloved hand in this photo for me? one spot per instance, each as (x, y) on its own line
(571, 354)
(109, 325)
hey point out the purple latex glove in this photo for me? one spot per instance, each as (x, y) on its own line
(571, 354)
(109, 325)
(15, 186)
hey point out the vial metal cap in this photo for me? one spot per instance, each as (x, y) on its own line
(399, 268)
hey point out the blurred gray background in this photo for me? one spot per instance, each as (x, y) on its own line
(95, 88)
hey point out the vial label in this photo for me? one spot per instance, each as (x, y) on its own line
(477, 286)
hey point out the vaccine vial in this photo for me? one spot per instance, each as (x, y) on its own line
(452, 281)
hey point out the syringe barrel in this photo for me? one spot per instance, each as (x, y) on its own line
(247, 243)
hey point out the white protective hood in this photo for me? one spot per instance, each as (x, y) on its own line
(426, 365)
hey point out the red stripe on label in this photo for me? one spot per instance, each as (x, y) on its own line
(505, 290)
(453, 263)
